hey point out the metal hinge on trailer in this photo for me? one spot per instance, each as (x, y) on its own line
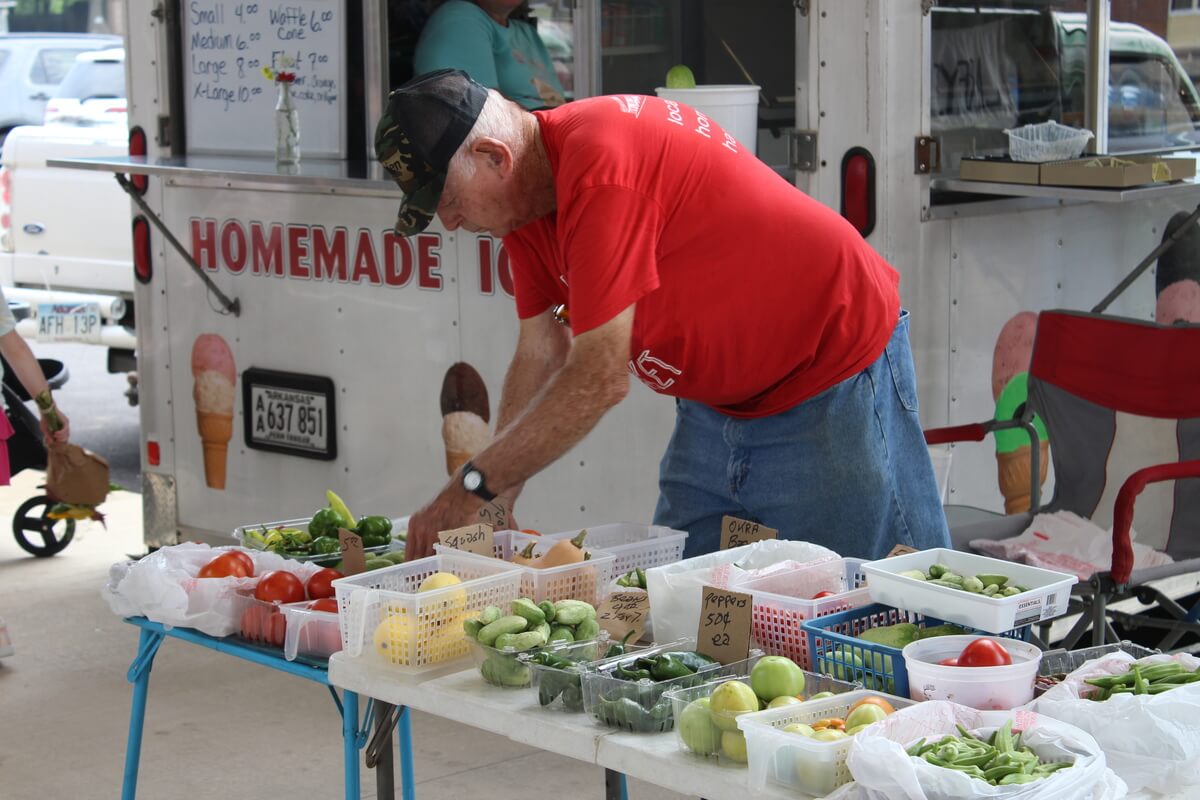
(802, 150)
(801, 6)
(927, 155)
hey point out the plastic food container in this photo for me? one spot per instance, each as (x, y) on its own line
(698, 740)
(263, 623)
(399, 524)
(794, 760)
(562, 689)
(837, 650)
(785, 600)
(507, 669)
(635, 546)
(640, 706)
(586, 580)
(314, 635)
(1047, 597)
(984, 688)
(384, 618)
(1046, 141)
(1058, 663)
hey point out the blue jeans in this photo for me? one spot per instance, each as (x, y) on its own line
(847, 469)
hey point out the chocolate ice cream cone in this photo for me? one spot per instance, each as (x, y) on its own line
(1013, 469)
(215, 432)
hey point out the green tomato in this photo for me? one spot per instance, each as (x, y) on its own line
(784, 700)
(729, 700)
(733, 746)
(697, 729)
(864, 715)
(776, 676)
(821, 695)
(799, 728)
(680, 77)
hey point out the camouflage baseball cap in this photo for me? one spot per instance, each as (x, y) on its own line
(423, 124)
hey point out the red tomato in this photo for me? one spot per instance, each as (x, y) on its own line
(324, 604)
(949, 662)
(320, 584)
(244, 557)
(819, 595)
(984, 653)
(226, 565)
(277, 629)
(279, 587)
(263, 623)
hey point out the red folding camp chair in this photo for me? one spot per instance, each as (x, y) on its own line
(1120, 399)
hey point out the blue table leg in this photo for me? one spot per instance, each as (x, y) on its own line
(139, 675)
(408, 780)
(350, 744)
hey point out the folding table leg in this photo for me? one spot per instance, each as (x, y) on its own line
(615, 787)
(350, 744)
(408, 780)
(139, 676)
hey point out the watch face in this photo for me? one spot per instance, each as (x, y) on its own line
(472, 480)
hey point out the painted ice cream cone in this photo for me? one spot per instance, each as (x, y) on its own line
(214, 374)
(1013, 471)
(465, 415)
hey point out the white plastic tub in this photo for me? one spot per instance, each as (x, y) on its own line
(1047, 597)
(984, 688)
(733, 107)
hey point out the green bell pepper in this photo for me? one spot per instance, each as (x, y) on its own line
(375, 531)
(326, 523)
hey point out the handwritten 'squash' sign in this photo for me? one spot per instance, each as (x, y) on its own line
(473, 539)
(737, 532)
(230, 105)
(726, 618)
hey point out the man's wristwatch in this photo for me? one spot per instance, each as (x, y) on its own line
(473, 481)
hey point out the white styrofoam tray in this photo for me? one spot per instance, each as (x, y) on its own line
(1047, 597)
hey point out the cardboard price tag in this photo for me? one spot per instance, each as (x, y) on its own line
(495, 514)
(737, 532)
(901, 550)
(726, 619)
(472, 539)
(623, 612)
(354, 560)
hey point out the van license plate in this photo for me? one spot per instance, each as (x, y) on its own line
(69, 322)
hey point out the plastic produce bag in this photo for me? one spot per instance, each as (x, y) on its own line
(1151, 741)
(675, 588)
(163, 587)
(884, 771)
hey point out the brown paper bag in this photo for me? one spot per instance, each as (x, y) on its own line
(76, 476)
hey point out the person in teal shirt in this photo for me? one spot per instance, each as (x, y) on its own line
(486, 40)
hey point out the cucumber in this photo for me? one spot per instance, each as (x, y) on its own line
(490, 615)
(490, 632)
(472, 627)
(989, 579)
(523, 607)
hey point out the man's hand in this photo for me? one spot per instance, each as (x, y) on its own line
(452, 508)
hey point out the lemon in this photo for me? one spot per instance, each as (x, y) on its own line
(447, 608)
(394, 639)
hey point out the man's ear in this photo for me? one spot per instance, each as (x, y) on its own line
(498, 154)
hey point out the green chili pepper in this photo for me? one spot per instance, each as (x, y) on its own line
(618, 648)
(669, 666)
(692, 660)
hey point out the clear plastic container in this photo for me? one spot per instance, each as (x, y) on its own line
(784, 600)
(1047, 597)
(998, 688)
(399, 525)
(385, 618)
(1046, 141)
(507, 668)
(695, 738)
(636, 546)
(310, 634)
(797, 761)
(587, 580)
(562, 689)
(640, 706)
(263, 623)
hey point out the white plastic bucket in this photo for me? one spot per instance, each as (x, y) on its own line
(733, 107)
(984, 688)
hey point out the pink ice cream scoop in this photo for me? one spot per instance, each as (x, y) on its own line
(1014, 348)
(1179, 302)
(210, 353)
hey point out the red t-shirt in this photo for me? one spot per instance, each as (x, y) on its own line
(751, 296)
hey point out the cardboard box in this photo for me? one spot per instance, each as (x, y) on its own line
(1117, 172)
(998, 170)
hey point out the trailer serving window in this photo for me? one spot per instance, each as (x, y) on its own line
(1006, 64)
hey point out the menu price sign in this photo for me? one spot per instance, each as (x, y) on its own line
(737, 532)
(354, 560)
(471, 539)
(623, 612)
(495, 514)
(726, 618)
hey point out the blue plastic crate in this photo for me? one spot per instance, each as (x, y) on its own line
(837, 650)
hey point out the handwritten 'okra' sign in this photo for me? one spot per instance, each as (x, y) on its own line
(726, 618)
(737, 532)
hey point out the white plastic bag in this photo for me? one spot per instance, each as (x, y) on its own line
(1152, 741)
(163, 587)
(675, 589)
(884, 771)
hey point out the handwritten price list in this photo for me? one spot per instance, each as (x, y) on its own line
(227, 45)
(725, 623)
(623, 612)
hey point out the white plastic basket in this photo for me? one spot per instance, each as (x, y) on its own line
(784, 600)
(1046, 141)
(636, 545)
(1047, 597)
(586, 580)
(794, 760)
(383, 617)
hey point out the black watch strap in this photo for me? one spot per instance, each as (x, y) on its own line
(474, 482)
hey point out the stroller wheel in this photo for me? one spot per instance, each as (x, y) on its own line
(36, 533)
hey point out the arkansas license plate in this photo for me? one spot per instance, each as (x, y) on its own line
(69, 322)
(289, 413)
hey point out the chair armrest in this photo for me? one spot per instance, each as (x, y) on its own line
(1122, 563)
(975, 432)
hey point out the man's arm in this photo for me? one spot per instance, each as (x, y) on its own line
(593, 379)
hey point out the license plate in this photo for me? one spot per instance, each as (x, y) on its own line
(69, 322)
(289, 413)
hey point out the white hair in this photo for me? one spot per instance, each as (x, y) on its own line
(495, 121)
